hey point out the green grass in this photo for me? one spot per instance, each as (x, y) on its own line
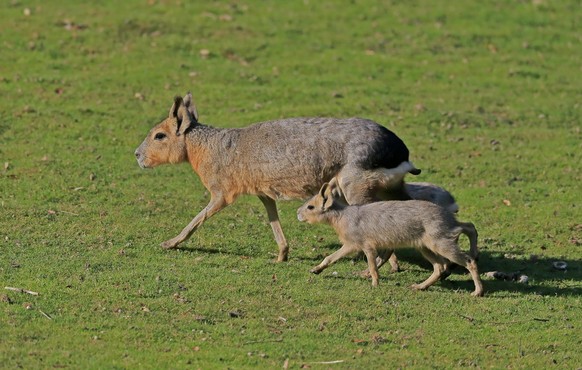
(485, 94)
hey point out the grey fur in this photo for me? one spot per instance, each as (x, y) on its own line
(388, 225)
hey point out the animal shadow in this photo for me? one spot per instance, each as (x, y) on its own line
(543, 278)
(543, 275)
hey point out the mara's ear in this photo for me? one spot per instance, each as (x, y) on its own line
(175, 107)
(334, 189)
(326, 194)
(189, 104)
(187, 115)
(323, 190)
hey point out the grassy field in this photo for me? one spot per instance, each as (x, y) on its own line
(486, 94)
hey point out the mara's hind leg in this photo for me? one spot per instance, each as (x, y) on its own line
(452, 252)
(471, 232)
(273, 215)
(371, 255)
(359, 186)
(438, 269)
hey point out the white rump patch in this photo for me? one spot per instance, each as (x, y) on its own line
(401, 169)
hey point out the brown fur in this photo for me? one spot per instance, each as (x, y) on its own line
(284, 159)
(385, 226)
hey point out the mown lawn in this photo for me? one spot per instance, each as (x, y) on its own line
(486, 94)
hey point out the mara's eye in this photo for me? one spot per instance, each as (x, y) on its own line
(310, 207)
(160, 136)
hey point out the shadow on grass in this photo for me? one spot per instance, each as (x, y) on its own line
(543, 277)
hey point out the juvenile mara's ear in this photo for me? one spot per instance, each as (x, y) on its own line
(325, 194)
(334, 189)
(187, 115)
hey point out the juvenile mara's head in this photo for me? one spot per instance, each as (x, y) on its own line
(314, 210)
(166, 142)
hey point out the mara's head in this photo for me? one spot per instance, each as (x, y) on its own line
(329, 197)
(166, 142)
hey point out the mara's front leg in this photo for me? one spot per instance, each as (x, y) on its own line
(332, 258)
(216, 204)
(271, 208)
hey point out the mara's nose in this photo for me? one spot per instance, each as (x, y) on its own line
(136, 154)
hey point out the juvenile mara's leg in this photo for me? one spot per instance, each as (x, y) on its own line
(332, 258)
(371, 255)
(393, 260)
(471, 232)
(452, 252)
(438, 268)
(446, 269)
(271, 207)
(383, 256)
(216, 204)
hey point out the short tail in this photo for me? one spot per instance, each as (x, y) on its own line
(415, 171)
(401, 169)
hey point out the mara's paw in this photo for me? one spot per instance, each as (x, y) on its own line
(478, 293)
(169, 244)
(364, 274)
(282, 258)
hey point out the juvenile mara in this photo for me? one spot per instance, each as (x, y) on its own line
(281, 159)
(389, 225)
(422, 191)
